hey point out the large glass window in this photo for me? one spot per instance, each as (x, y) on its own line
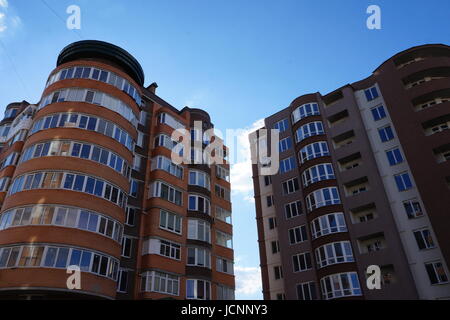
(97, 74)
(162, 190)
(66, 148)
(70, 181)
(163, 163)
(53, 256)
(198, 203)
(77, 120)
(198, 289)
(318, 173)
(332, 253)
(91, 96)
(199, 257)
(312, 151)
(199, 230)
(322, 197)
(330, 223)
(153, 281)
(309, 130)
(170, 221)
(287, 164)
(199, 178)
(306, 110)
(340, 285)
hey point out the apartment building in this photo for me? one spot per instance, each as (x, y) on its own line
(87, 179)
(364, 179)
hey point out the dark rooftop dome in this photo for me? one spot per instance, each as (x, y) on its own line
(104, 50)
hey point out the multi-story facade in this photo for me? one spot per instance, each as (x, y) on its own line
(364, 179)
(87, 179)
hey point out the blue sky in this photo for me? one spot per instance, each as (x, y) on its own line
(239, 60)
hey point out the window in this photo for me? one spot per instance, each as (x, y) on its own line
(371, 93)
(272, 223)
(340, 285)
(198, 203)
(62, 216)
(223, 215)
(224, 265)
(199, 178)
(287, 164)
(306, 110)
(269, 200)
(275, 247)
(131, 216)
(297, 235)
(290, 186)
(91, 96)
(293, 209)
(306, 291)
(10, 160)
(394, 156)
(309, 130)
(267, 180)
(312, 151)
(153, 281)
(59, 257)
(170, 221)
(378, 113)
(285, 144)
(4, 183)
(281, 296)
(199, 257)
(318, 173)
(222, 192)
(282, 125)
(170, 121)
(199, 230)
(386, 133)
(163, 140)
(137, 162)
(122, 281)
(330, 223)
(70, 181)
(127, 244)
(166, 192)
(278, 272)
(424, 239)
(332, 253)
(140, 140)
(97, 74)
(78, 120)
(412, 208)
(222, 173)
(198, 289)
(302, 262)
(322, 197)
(224, 293)
(436, 272)
(163, 163)
(403, 181)
(169, 249)
(134, 188)
(224, 239)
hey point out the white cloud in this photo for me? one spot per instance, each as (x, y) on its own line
(8, 20)
(241, 171)
(2, 22)
(248, 280)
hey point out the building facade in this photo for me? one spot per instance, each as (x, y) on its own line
(364, 179)
(87, 180)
